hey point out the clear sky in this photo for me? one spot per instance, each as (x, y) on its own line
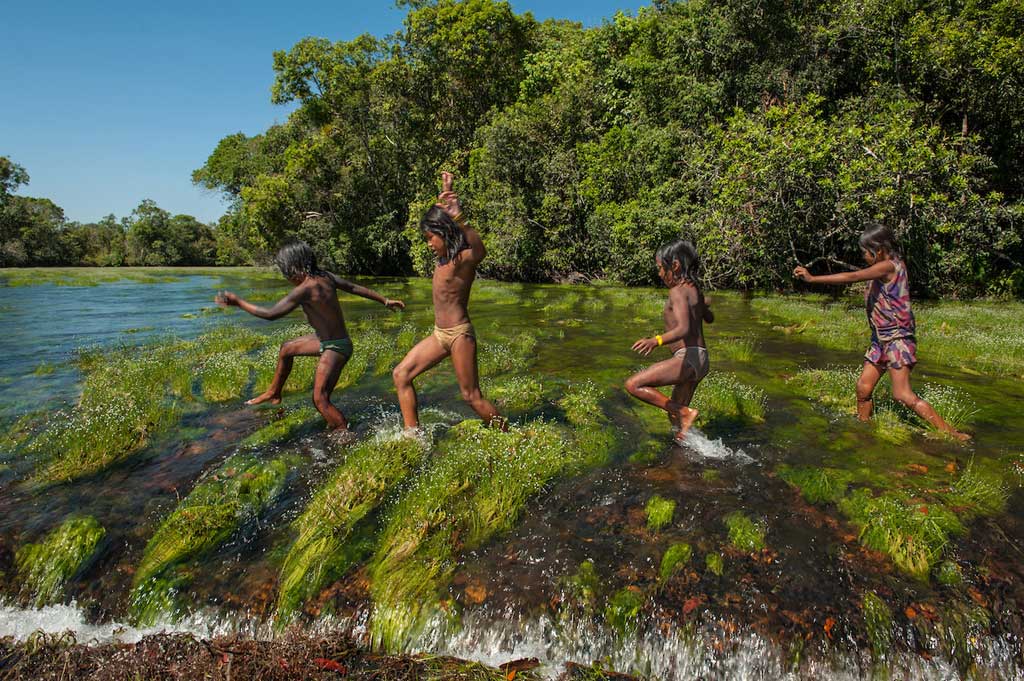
(106, 104)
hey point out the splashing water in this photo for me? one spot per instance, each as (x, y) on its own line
(700, 446)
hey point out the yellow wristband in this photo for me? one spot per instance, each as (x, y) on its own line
(658, 338)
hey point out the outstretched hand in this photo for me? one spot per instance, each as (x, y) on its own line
(394, 304)
(800, 272)
(448, 200)
(645, 345)
(226, 299)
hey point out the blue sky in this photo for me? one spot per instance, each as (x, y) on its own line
(106, 104)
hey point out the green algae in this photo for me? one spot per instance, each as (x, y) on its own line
(659, 512)
(46, 567)
(878, 623)
(980, 492)
(912, 534)
(283, 428)
(622, 612)
(357, 487)
(817, 485)
(584, 585)
(236, 493)
(735, 349)
(744, 534)
(715, 563)
(675, 558)
(948, 573)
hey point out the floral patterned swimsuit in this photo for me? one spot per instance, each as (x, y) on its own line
(892, 323)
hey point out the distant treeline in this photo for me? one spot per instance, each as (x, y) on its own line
(34, 232)
(769, 131)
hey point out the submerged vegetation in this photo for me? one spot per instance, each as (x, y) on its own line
(745, 534)
(45, 568)
(659, 512)
(237, 492)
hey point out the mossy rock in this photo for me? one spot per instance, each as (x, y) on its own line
(675, 559)
(659, 512)
(744, 534)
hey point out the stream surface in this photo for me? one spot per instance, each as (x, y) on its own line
(766, 616)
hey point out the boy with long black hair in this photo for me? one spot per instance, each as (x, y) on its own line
(316, 291)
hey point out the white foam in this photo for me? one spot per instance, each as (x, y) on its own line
(699, 445)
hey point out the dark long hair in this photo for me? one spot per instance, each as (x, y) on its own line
(685, 254)
(877, 237)
(436, 221)
(297, 258)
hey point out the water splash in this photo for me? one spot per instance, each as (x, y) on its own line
(700, 446)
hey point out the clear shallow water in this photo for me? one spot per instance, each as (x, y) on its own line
(812, 571)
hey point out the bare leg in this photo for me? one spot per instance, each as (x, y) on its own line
(327, 372)
(681, 395)
(464, 361)
(673, 371)
(869, 376)
(903, 393)
(305, 346)
(426, 354)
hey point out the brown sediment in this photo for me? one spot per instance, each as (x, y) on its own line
(182, 656)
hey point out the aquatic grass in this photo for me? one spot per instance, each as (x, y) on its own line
(283, 428)
(593, 435)
(912, 534)
(878, 623)
(830, 324)
(516, 394)
(978, 491)
(582, 404)
(735, 349)
(659, 512)
(584, 585)
(744, 534)
(675, 558)
(372, 470)
(224, 376)
(954, 405)
(723, 397)
(45, 568)
(817, 485)
(299, 380)
(237, 492)
(478, 486)
(498, 358)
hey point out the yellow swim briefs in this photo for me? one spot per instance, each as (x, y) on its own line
(447, 336)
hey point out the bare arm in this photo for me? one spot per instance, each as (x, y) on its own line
(363, 292)
(280, 308)
(448, 201)
(709, 316)
(477, 251)
(880, 270)
(681, 315)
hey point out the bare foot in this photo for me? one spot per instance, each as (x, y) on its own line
(687, 417)
(962, 437)
(265, 397)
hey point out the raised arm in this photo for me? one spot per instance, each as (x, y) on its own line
(448, 201)
(280, 308)
(363, 292)
(880, 270)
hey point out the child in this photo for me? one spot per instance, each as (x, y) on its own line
(892, 325)
(459, 251)
(316, 291)
(684, 314)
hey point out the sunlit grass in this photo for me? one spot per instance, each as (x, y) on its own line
(283, 428)
(659, 513)
(745, 534)
(723, 397)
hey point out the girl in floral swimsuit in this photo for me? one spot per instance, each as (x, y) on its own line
(893, 347)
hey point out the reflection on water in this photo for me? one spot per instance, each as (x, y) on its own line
(725, 613)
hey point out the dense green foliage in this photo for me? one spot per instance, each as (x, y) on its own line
(34, 231)
(768, 132)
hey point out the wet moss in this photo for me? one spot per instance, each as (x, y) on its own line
(585, 585)
(45, 568)
(622, 612)
(284, 428)
(744, 534)
(817, 485)
(582, 404)
(715, 563)
(948, 573)
(675, 558)
(659, 512)
(320, 553)
(217, 507)
(878, 623)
